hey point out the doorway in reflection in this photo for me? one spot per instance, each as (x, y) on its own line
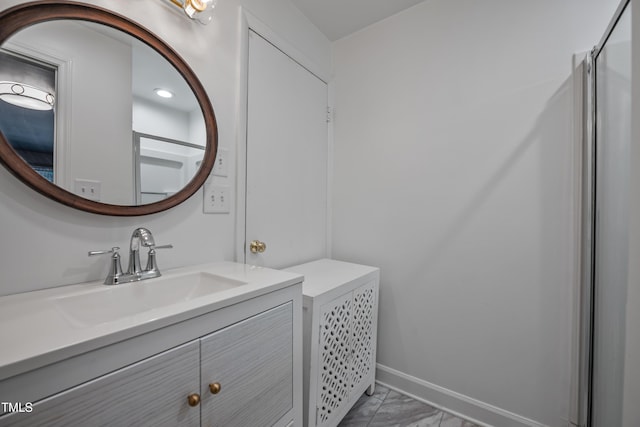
(27, 116)
(163, 166)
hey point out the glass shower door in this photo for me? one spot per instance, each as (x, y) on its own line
(610, 263)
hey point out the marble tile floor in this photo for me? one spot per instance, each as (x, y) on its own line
(388, 408)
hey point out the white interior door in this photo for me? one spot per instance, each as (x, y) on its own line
(286, 164)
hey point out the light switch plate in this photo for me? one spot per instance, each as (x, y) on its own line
(88, 188)
(221, 167)
(217, 198)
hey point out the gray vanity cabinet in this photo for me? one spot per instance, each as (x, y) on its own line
(152, 392)
(241, 375)
(247, 371)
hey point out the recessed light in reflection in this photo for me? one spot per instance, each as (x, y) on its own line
(163, 93)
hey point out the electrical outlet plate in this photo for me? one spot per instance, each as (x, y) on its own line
(88, 188)
(220, 167)
(217, 198)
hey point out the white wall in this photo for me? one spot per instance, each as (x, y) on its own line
(45, 244)
(196, 127)
(157, 120)
(454, 173)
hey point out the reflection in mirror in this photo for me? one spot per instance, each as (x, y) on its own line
(25, 85)
(164, 166)
(105, 86)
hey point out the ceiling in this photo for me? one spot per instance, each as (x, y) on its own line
(151, 71)
(339, 18)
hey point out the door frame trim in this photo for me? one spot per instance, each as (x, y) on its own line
(64, 73)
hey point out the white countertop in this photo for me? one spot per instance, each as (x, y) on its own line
(35, 331)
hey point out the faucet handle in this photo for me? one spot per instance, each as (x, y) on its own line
(169, 246)
(114, 250)
(151, 259)
(115, 268)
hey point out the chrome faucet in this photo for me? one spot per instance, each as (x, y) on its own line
(140, 237)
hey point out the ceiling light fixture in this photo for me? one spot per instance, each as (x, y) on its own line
(26, 96)
(163, 93)
(198, 10)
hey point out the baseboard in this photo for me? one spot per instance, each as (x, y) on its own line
(462, 406)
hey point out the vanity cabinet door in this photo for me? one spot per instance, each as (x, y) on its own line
(153, 392)
(252, 362)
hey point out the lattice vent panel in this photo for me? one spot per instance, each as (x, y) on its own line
(362, 333)
(334, 375)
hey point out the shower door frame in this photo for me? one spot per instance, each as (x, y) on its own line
(588, 245)
(589, 226)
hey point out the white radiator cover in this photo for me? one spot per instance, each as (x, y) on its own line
(340, 313)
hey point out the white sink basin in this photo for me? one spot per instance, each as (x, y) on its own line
(43, 327)
(111, 303)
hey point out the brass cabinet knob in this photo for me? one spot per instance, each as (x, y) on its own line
(193, 399)
(215, 388)
(256, 246)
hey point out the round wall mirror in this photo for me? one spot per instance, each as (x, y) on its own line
(98, 113)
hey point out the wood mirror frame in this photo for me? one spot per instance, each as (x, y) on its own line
(18, 17)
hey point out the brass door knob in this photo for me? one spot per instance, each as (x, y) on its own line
(215, 388)
(193, 399)
(256, 246)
